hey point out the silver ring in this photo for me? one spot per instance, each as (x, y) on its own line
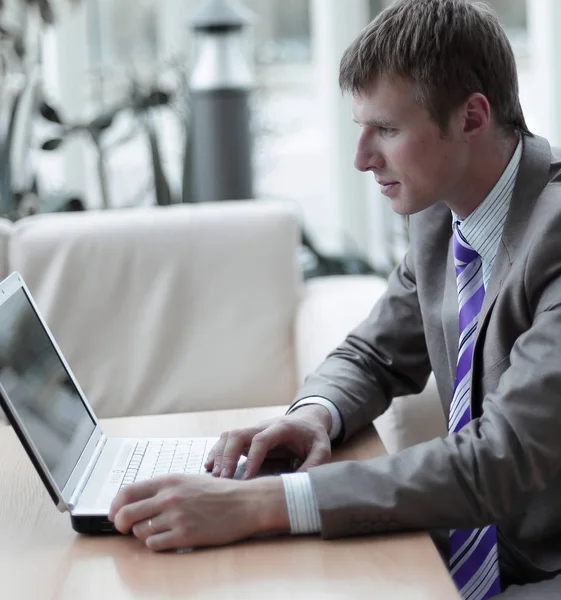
(151, 528)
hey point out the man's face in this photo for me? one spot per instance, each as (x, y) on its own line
(415, 164)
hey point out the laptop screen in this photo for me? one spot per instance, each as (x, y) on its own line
(40, 389)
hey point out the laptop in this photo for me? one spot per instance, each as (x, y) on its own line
(81, 468)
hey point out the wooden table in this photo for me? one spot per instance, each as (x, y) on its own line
(42, 558)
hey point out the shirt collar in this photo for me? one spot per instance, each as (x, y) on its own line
(483, 228)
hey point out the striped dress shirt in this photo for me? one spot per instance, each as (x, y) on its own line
(482, 229)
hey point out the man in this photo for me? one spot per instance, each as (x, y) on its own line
(476, 300)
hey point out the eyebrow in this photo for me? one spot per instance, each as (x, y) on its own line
(381, 123)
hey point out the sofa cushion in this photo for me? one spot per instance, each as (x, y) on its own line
(169, 309)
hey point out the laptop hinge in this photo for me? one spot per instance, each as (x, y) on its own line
(87, 472)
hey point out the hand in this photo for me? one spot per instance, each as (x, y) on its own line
(179, 511)
(303, 433)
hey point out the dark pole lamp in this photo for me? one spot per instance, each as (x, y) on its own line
(219, 144)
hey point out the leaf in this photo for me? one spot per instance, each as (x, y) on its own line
(45, 8)
(158, 98)
(19, 46)
(49, 113)
(46, 12)
(51, 145)
(102, 122)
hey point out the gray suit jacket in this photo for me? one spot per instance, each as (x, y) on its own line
(505, 466)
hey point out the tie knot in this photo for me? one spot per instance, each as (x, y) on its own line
(463, 252)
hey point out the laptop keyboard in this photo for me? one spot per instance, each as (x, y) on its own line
(152, 458)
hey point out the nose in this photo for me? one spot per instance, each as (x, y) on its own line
(367, 156)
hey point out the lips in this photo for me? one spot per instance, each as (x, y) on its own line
(388, 188)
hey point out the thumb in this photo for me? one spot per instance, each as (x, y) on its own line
(319, 454)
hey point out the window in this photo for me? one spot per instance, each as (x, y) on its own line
(121, 36)
(512, 15)
(282, 31)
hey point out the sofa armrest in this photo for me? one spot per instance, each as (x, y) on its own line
(329, 310)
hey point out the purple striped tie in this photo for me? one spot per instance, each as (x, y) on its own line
(473, 552)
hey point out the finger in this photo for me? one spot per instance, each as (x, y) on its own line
(167, 540)
(319, 454)
(216, 450)
(216, 454)
(131, 514)
(280, 452)
(137, 492)
(154, 525)
(133, 493)
(233, 450)
(261, 445)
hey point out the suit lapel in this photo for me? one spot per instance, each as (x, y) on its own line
(450, 318)
(533, 175)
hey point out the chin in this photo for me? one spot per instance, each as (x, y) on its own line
(406, 207)
(402, 208)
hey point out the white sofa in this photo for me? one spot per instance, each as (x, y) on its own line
(193, 307)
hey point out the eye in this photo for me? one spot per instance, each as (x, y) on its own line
(387, 131)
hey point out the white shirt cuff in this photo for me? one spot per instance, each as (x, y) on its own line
(336, 423)
(303, 511)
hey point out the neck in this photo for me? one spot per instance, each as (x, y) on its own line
(487, 162)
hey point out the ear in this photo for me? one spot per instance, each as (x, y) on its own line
(476, 115)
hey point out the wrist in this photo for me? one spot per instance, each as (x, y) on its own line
(313, 413)
(268, 505)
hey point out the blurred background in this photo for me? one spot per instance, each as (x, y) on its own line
(94, 90)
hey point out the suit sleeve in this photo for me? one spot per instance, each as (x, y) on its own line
(384, 357)
(488, 471)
